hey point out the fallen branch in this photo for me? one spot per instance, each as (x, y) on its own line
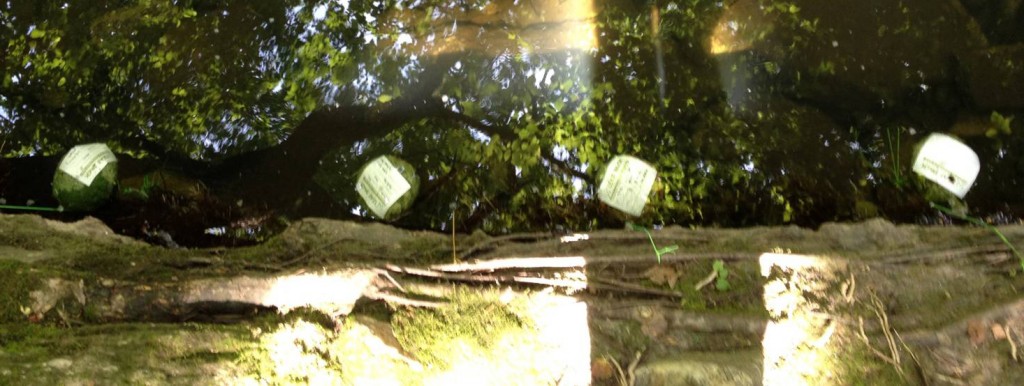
(402, 301)
(940, 255)
(514, 263)
(564, 283)
(582, 261)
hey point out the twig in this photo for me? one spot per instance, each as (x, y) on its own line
(1013, 346)
(913, 356)
(864, 338)
(894, 351)
(565, 283)
(939, 254)
(390, 279)
(564, 168)
(886, 330)
(850, 288)
(632, 368)
(395, 299)
(580, 261)
(621, 375)
(707, 280)
(514, 263)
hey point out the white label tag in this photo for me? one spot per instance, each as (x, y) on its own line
(626, 184)
(85, 162)
(948, 162)
(380, 185)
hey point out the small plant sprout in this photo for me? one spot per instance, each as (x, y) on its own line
(142, 191)
(893, 143)
(658, 252)
(721, 275)
(1000, 125)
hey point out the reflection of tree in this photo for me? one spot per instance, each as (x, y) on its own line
(509, 112)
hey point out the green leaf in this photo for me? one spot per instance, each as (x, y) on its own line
(37, 33)
(722, 284)
(384, 98)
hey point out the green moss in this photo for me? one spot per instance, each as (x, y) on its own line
(468, 326)
(118, 353)
(20, 337)
(18, 280)
(295, 349)
(742, 297)
(629, 335)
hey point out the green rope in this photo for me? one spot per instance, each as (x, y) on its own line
(982, 223)
(35, 208)
(658, 252)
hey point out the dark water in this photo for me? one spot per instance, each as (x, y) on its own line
(752, 112)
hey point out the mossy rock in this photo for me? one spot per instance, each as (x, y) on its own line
(380, 180)
(72, 185)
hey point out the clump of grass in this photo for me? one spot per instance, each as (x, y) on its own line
(893, 143)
